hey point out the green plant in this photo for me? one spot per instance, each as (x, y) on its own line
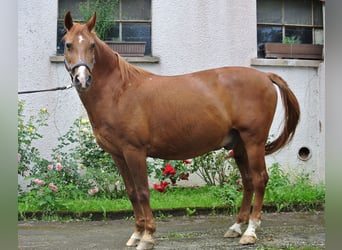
(106, 12)
(291, 40)
(168, 170)
(285, 190)
(51, 185)
(78, 150)
(28, 132)
(214, 167)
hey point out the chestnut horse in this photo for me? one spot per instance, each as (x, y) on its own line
(135, 114)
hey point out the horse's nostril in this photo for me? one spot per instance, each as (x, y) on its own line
(76, 80)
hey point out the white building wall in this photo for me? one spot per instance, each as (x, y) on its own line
(187, 36)
(308, 86)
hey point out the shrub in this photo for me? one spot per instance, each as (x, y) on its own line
(78, 150)
(166, 171)
(28, 132)
(214, 167)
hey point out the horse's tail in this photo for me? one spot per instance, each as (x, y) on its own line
(292, 114)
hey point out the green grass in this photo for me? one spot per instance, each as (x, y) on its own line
(283, 192)
(173, 198)
(206, 196)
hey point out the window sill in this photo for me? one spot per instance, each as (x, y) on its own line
(285, 62)
(140, 59)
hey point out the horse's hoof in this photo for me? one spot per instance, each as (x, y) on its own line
(231, 234)
(247, 240)
(145, 245)
(134, 240)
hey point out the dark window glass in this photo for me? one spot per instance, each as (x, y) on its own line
(302, 33)
(136, 10)
(268, 34)
(269, 11)
(133, 32)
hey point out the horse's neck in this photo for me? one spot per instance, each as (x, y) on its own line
(105, 60)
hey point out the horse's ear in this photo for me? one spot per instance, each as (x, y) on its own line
(68, 23)
(91, 22)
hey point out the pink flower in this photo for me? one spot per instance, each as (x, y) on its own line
(231, 153)
(59, 166)
(39, 182)
(187, 161)
(26, 173)
(53, 187)
(50, 166)
(117, 184)
(19, 157)
(93, 191)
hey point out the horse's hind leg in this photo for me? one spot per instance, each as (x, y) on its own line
(258, 177)
(241, 160)
(251, 162)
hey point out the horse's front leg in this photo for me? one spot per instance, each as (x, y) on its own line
(132, 194)
(137, 169)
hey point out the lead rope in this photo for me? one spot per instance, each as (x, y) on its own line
(45, 90)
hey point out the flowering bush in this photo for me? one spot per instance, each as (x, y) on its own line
(81, 168)
(79, 150)
(172, 170)
(215, 167)
(52, 184)
(28, 131)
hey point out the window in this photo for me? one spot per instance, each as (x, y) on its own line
(301, 20)
(133, 23)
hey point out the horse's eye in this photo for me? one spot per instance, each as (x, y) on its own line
(92, 45)
(68, 46)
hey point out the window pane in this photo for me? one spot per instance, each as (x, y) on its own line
(304, 34)
(136, 10)
(318, 13)
(298, 12)
(66, 5)
(137, 32)
(269, 11)
(60, 41)
(268, 34)
(319, 36)
(113, 33)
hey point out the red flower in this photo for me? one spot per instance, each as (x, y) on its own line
(184, 176)
(169, 170)
(161, 187)
(188, 161)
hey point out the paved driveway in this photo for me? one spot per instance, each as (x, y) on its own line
(278, 230)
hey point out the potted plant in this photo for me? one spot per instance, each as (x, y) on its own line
(292, 48)
(106, 13)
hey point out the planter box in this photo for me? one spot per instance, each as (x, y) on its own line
(294, 51)
(128, 48)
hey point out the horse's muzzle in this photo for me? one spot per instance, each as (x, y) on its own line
(82, 79)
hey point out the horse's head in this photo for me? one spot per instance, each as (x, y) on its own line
(79, 51)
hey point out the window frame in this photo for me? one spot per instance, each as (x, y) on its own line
(120, 21)
(283, 25)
